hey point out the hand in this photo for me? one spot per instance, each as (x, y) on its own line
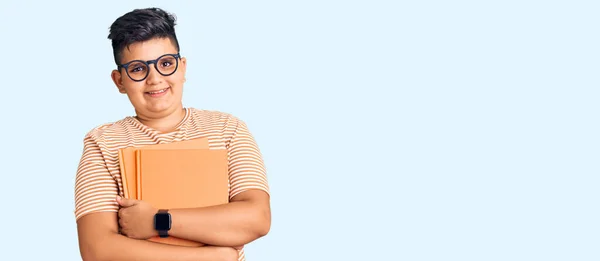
(136, 218)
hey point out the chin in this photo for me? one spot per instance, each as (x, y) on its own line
(163, 108)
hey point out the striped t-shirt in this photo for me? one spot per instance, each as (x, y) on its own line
(98, 178)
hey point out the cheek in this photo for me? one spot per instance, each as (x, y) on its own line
(133, 88)
(176, 83)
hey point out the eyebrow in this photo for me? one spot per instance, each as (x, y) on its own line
(146, 60)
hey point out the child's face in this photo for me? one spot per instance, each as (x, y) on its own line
(156, 95)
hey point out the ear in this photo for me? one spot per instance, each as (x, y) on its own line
(183, 66)
(118, 80)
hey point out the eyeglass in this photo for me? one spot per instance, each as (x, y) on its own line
(138, 70)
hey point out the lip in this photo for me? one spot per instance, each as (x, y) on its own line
(154, 95)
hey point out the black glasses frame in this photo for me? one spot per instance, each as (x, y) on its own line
(177, 56)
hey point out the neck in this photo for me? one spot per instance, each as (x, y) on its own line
(164, 123)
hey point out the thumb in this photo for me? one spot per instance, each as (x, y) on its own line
(125, 202)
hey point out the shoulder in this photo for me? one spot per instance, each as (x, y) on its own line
(109, 131)
(215, 117)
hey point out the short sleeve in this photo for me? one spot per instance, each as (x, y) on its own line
(246, 166)
(95, 188)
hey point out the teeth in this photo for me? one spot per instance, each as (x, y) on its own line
(161, 91)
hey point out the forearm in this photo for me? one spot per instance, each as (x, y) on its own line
(117, 247)
(232, 224)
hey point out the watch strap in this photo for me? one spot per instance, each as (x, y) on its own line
(163, 233)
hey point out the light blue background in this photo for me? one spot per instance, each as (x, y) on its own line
(392, 130)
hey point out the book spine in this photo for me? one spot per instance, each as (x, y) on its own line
(123, 175)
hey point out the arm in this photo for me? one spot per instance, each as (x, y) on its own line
(246, 218)
(99, 240)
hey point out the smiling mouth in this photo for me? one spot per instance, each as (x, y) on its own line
(159, 92)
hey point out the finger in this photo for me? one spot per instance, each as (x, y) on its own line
(125, 202)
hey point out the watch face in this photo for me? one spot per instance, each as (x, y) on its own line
(162, 221)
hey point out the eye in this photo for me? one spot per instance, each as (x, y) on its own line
(166, 62)
(136, 69)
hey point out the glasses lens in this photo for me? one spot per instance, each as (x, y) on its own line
(137, 71)
(167, 65)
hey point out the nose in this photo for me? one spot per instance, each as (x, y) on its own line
(154, 77)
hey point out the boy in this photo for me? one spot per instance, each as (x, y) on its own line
(151, 72)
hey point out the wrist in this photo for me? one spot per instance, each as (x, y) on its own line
(153, 226)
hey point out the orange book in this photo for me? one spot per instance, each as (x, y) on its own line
(128, 165)
(182, 178)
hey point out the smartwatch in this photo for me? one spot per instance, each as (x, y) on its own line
(162, 222)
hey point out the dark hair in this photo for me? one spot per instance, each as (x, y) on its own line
(141, 25)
